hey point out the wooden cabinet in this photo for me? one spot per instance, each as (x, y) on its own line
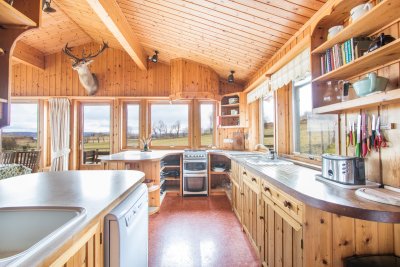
(233, 111)
(282, 237)
(87, 250)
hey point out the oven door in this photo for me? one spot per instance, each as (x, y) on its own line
(194, 166)
(195, 184)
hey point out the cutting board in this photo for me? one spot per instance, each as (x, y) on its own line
(381, 195)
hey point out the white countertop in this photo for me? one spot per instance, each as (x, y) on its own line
(136, 155)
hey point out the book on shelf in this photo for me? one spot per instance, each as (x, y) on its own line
(343, 53)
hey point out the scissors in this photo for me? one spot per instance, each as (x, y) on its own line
(379, 141)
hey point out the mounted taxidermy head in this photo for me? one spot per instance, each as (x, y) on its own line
(80, 64)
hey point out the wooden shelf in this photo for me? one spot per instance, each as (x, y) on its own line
(381, 56)
(9, 16)
(230, 105)
(220, 173)
(230, 116)
(153, 188)
(383, 98)
(378, 17)
(169, 166)
(171, 178)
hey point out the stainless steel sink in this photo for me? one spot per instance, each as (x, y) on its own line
(265, 161)
(22, 229)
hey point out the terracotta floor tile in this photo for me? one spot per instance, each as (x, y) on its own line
(198, 231)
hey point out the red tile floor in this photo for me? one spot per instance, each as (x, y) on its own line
(198, 231)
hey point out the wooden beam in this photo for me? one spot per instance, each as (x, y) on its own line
(111, 15)
(26, 54)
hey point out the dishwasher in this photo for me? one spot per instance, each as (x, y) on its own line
(126, 231)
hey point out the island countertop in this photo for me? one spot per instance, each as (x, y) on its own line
(136, 155)
(95, 191)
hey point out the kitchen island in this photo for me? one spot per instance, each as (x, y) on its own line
(97, 192)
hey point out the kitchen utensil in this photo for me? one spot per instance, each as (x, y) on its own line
(370, 84)
(353, 139)
(364, 147)
(343, 169)
(334, 30)
(360, 10)
(380, 41)
(358, 144)
(348, 131)
(373, 132)
(369, 135)
(379, 140)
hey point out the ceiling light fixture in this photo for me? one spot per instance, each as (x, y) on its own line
(47, 7)
(154, 58)
(231, 79)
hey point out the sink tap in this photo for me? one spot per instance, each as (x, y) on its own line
(261, 147)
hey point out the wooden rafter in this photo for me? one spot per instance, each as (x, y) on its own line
(113, 18)
(26, 54)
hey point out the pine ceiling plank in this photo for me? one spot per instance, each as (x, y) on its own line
(281, 8)
(195, 12)
(201, 25)
(145, 25)
(252, 16)
(312, 4)
(113, 18)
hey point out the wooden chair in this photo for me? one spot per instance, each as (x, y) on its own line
(29, 159)
(7, 157)
(91, 156)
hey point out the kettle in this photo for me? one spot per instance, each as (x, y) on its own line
(380, 41)
(360, 10)
(370, 84)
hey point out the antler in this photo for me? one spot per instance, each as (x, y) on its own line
(67, 50)
(103, 47)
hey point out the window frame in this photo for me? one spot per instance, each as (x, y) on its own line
(295, 120)
(38, 120)
(215, 110)
(124, 123)
(190, 124)
(261, 118)
(82, 105)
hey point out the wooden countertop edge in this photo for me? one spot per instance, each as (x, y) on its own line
(339, 209)
(77, 234)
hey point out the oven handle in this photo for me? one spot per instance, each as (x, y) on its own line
(194, 175)
(194, 160)
(194, 172)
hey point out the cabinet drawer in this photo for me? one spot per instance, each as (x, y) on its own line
(287, 203)
(251, 180)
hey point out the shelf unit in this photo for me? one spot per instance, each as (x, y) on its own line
(10, 17)
(380, 16)
(172, 184)
(219, 182)
(372, 100)
(227, 118)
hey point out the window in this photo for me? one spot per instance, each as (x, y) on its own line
(207, 115)
(132, 130)
(170, 125)
(313, 134)
(22, 134)
(96, 132)
(267, 121)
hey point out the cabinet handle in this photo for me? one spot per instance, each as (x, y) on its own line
(261, 217)
(266, 189)
(242, 194)
(287, 204)
(244, 173)
(254, 179)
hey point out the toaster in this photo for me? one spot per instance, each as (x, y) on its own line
(343, 169)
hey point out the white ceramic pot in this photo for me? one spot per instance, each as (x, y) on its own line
(234, 112)
(334, 30)
(359, 11)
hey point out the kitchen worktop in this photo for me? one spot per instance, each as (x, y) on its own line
(95, 191)
(136, 155)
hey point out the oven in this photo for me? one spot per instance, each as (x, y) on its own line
(195, 178)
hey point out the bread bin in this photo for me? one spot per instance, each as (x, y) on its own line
(343, 169)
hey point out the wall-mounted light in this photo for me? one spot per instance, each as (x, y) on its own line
(154, 58)
(47, 7)
(231, 79)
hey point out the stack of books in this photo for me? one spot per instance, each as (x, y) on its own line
(344, 53)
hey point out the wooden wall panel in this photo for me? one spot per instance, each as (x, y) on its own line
(226, 88)
(118, 75)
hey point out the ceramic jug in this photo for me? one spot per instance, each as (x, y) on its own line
(360, 10)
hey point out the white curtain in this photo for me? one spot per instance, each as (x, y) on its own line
(297, 69)
(60, 131)
(259, 92)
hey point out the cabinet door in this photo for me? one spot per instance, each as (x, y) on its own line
(237, 201)
(282, 238)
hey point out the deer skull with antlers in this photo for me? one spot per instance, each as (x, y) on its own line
(80, 64)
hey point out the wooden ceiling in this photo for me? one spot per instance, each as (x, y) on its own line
(225, 34)
(56, 30)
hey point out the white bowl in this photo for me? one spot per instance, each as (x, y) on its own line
(218, 169)
(334, 30)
